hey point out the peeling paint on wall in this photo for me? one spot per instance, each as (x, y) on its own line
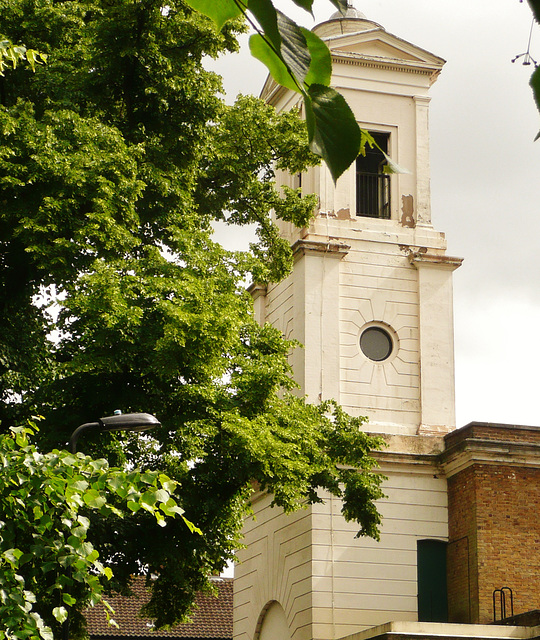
(344, 214)
(407, 219)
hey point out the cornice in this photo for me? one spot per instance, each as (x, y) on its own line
(472, 451)
(388, 64)
(421, 258)
(331, 248)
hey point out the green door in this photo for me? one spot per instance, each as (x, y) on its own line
(432, 594)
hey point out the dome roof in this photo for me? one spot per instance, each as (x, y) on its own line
(351, 13)
(352, 22)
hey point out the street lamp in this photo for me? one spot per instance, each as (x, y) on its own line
(117, 422)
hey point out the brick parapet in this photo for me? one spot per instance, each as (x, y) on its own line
(493, 476)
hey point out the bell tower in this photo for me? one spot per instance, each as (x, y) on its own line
(370, 298)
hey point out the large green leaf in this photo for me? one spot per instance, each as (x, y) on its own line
(218, 11)
(261, 50)
(294, 48)
(320, 68)
(284, 36)
(305, 4)
(333, 131)
(535, 84)
(266, 15)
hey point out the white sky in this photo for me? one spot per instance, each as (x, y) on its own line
(485, 180)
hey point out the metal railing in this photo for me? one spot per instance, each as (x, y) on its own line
(373, 194)
(502, 593)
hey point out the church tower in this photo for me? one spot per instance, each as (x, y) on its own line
(370, 298)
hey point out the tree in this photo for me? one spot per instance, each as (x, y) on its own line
(48, 566)
(117, 157)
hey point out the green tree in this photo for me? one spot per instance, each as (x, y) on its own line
(49, 569)
(117, 157)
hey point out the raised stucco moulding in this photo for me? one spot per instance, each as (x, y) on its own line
(257, 290)
(330, 248)
(420, 258)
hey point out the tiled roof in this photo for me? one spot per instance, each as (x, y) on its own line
(210, 619)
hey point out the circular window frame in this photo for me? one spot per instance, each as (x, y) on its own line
(388, 332)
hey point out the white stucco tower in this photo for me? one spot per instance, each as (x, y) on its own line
(370, 298)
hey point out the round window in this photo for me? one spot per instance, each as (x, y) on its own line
(376, 344)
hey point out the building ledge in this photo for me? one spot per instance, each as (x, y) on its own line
(444, 631)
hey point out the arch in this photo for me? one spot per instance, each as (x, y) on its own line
(272, 623)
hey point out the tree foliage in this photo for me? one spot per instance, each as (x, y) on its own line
(117, 157)
(299, 60)
(48, 565)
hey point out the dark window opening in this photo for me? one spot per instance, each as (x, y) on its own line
(372, 185)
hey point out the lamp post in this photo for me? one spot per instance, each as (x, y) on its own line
(117, 422)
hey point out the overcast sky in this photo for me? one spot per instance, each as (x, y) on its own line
(485, 180)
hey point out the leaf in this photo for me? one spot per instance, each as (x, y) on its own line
(260, 50)
(266, 15)
(320, 68)
(305, 4)
(60, 613)
(341, 5)
(392, 166)
(219, 12)
(294, 49)
(68, 599)
(148, 500)
(535, 85)
(333, 131)
(535, 7)
(193, 528)
(168, 484)
(93, 499)
(320, 61)
(13, 555)
(162, 495)
(133, 506)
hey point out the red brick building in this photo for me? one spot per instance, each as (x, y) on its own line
(493, 474)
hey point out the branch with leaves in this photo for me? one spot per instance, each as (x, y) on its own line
(49, 569)
(11, 55)
(299, 60)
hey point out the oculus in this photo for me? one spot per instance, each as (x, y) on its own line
(376, 344)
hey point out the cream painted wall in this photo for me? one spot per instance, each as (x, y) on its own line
(351, 272)
(329, 583)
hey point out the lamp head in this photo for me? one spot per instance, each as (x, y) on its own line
(129, 422)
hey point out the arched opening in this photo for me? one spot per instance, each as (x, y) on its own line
(273, 623)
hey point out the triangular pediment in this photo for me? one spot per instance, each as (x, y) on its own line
(378, 43)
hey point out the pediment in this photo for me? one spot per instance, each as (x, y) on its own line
(378, 43)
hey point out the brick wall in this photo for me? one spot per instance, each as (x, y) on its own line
(508, 537)
(462, 607)
(494, 519)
